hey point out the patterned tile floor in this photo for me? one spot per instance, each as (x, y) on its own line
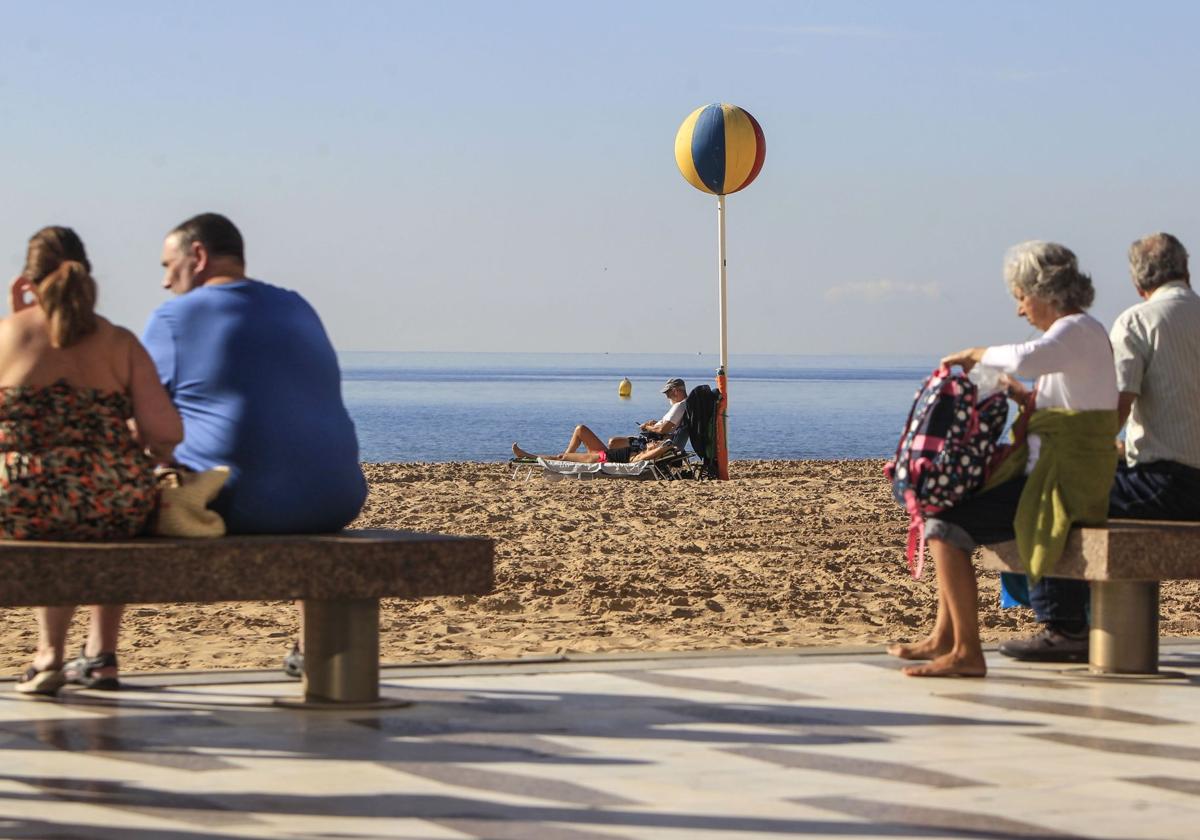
(828, 744)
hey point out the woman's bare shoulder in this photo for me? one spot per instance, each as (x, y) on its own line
(19, 327)
(114, 334)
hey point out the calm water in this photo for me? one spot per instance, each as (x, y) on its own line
(472, 406)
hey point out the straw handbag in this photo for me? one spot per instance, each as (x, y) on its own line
(183, 498)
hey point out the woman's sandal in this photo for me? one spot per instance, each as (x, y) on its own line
(81, 671)
(44, 683)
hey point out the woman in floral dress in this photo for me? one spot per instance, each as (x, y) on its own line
(83, 419)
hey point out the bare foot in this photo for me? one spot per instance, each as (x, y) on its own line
(929, 648)
(518, 452)
(950, 665)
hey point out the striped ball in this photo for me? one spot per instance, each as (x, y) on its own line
(720, 149)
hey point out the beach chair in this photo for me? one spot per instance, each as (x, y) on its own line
(698, 427)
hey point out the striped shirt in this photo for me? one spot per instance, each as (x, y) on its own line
(1156, 345)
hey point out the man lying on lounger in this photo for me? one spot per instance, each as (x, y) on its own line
(654, 440)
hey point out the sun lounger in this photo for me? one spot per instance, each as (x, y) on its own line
(697, 426)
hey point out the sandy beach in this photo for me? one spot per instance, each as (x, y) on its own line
(787, 554)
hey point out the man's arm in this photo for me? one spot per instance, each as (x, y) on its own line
(662, 427)
(667, 425)
(1124, 406)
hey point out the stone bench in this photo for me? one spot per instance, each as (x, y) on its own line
(1124, 563)
(340, 577)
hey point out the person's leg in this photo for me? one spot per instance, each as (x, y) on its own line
(958, 590)
(53, 623)
(104, 629)
(939, 641)
(585, 436)
(654, 451)
(986, 517)
(575, 457)
(103, 632)
(96, 665)
(1061, 603)
(1161, 490)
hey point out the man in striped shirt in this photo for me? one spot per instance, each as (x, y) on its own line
(1156, 347)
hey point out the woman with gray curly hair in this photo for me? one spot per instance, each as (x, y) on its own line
(1072, 432)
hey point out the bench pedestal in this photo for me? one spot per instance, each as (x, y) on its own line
(341, 656)
(1124, 635)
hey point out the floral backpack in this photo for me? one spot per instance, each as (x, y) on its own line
(944, 452)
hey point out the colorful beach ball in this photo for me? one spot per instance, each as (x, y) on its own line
(720, 149)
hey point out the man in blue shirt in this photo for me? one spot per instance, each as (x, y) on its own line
(257, 382)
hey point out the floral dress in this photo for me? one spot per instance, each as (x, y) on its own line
(69, 466)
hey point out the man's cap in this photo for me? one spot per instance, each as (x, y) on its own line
(673, 383)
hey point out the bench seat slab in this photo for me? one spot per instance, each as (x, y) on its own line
(345, 566)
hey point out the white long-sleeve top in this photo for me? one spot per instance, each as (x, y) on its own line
(1072, 363)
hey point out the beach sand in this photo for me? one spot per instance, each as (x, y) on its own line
(787, 554)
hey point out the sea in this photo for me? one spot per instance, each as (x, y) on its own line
(473, 406)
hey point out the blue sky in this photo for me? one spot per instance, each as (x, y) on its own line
(500, 176)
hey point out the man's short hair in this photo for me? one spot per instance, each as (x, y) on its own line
(1157, 259)
(219, 236)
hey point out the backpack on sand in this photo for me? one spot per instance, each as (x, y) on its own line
(944, 451)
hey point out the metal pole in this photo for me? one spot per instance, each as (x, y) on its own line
(722, 383)
(721, 278)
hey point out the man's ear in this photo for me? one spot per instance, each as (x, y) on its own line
(200, 254)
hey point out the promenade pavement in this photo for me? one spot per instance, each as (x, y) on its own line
(830, 743)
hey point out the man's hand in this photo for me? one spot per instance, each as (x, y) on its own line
(21, 294)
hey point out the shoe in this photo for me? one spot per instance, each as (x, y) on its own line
(293, 663)
(45, 683)
(81, 670)
(1050, 645)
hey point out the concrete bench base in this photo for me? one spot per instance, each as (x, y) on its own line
(340, 578)
(1124, 564)
(1124, 634)
(341, 657)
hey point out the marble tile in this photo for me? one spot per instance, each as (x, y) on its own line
(737, 688)
(860, 767)
(1047, 707)
(964, 824)
(736, 747)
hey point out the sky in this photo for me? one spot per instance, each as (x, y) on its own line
(500, 176)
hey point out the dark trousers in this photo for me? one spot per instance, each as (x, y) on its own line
(1161, 490)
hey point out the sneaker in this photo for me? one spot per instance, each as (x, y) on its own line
(293, 663)
(1050, 645)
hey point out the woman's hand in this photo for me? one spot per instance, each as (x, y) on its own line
(1017, 392)
(21, 294)
(966, 359)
